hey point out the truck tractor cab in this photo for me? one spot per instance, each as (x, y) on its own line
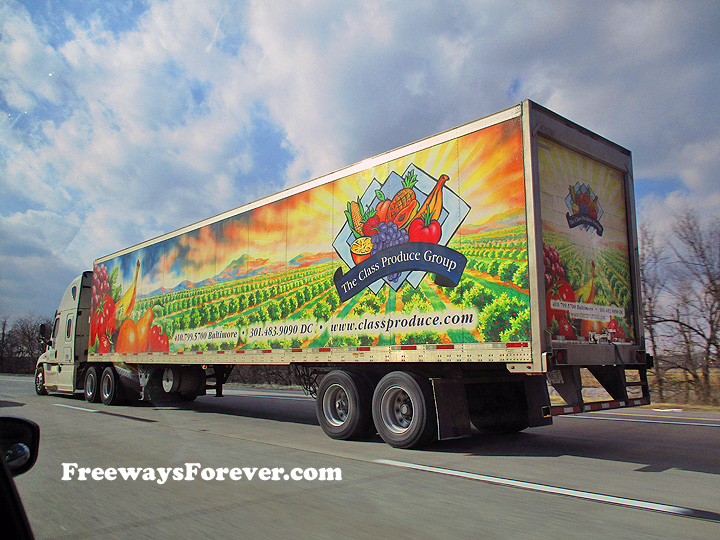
(59, 368)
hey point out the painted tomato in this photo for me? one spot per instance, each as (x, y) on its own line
(614, 329)
(93, 331)
(104, 344)
(560, 290)
(425, 229)
(565, 329)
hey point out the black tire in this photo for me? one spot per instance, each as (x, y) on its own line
(497, 408)
(110, 390)
(40, 389)
(403, 409)
(92, 385)
(155, 394)
(187, 398)
(343, 405)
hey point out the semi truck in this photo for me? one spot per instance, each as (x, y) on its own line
(485, 276)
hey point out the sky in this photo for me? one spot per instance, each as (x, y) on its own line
(123, 120)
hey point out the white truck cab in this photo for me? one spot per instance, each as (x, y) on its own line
(58, 369)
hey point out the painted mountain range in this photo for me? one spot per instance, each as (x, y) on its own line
(245, 267)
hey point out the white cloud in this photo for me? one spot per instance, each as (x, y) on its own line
(27, 61)
(700, 166)
(156, 123)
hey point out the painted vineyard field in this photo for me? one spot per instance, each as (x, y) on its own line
(602, 280)
(493, 291)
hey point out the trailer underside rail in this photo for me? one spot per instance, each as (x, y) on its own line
(558, 410)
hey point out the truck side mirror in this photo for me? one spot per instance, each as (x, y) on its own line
(45, 331)
(19, 443)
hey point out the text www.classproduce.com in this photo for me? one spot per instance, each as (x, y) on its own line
(195, 471)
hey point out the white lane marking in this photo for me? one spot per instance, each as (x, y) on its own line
(84, 409)
(264, 392)
(593, 417)
(74, 407)
(269, 396)
(598, 497)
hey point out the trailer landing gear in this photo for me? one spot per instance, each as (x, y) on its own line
(220, 373)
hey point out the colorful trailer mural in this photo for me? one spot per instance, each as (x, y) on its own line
(429, 247)
(436, 287)
(585, 246)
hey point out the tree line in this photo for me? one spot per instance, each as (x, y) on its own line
(680, 286)
(20, 343)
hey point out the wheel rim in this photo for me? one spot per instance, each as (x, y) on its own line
(335, 405)
(168, 380)
(90, 385)
(106, 387)
(39, 380)
(396, 409)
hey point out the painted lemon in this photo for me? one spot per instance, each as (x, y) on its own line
(360, 249)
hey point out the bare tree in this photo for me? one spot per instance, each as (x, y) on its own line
(653, 284)
(25, 336)
(696, 290)
(4, 342)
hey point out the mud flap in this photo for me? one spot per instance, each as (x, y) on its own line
(538, 400)
(567, 382)
(453, 418)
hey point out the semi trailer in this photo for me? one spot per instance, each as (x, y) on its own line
(485, 276)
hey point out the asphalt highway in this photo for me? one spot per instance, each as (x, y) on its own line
(629, 473)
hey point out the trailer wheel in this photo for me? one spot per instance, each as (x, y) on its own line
(183, 383)
(404, 410)
(499, 408)
(110, 391)
(155, 394)
(343, 405)
(40, 389)
(188, 398)
(92, 385)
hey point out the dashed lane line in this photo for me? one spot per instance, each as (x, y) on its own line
(574, 493)
(671, 422)
(108, 413)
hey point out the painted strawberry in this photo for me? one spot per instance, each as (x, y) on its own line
(369, 227)
(158, 340)
(103, 320)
